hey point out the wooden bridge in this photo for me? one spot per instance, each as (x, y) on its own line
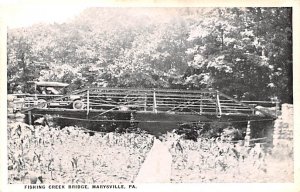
(148, 106)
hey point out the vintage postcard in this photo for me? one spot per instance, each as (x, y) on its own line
(151, 95)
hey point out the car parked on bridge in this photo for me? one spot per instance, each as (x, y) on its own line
(48, 95)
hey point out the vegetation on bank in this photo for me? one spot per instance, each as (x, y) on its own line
(43, 154)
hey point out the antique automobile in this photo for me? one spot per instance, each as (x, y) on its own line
(49, 94)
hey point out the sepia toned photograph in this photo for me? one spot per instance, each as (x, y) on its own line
(130, 95)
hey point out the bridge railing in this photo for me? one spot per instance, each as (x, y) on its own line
(209, 102)
(206, 102)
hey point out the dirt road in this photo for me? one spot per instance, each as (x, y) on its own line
(157, 166)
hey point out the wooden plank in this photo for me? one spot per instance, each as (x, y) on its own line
(179, 96)
(246, 102)
(254, 102)
(175, 100)
(115, 97)
(182, 105)
(138, 95)
(234, 107)
(116, 94)
(113, 106)
(237, 109)
(150, 90)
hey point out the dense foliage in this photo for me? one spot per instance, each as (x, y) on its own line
(243, 52)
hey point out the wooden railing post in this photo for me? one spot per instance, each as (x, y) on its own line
(145, 104)
(201, 107)
(154, 102)
(35, 92)
(88, 102)
(252, 109)
(218, 105)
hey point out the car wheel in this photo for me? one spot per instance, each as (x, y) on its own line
(40, 101)
(78, 104)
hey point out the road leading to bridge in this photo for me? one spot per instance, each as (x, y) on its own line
(157, 166)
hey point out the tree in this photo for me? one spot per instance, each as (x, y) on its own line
(230, 49)
(244, 52)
